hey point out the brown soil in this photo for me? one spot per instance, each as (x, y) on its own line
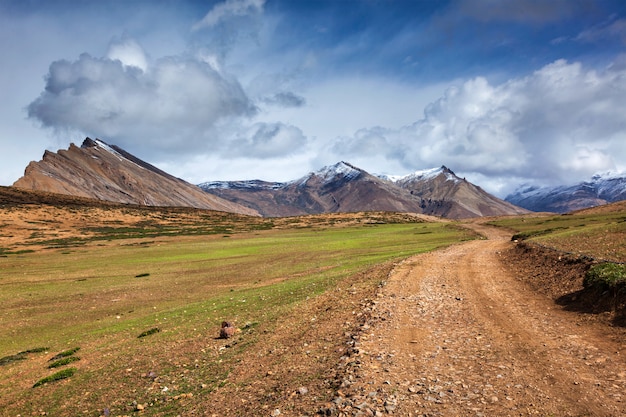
(456, 334)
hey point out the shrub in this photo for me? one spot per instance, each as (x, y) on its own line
(65, 373)
(64, 354)
(149, 332)
(605, 276)
(20, 356)
(63, 361)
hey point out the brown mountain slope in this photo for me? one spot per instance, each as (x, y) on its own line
(446, 195)
(340, 188)
(97, 170)
(345, 188)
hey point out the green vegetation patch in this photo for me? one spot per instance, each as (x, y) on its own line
(599, 236)
(64, 354)
(20, 356)
(149, 332)
(536, 233)
(65, 373)
(63, 362)
(606, 276)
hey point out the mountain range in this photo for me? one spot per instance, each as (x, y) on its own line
(344, 188)
(599, 190)
(106, 172)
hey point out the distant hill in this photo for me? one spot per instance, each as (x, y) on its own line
(600, 190)
(100, 171)
(345, 188)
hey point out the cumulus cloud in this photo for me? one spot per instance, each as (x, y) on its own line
(561, 123)
(176, 105)
(128, 52)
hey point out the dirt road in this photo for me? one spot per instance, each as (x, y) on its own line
(455, 334)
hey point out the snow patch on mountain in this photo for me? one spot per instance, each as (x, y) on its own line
(97, 143)
(331, 173)
(602, 188)
(423, 175)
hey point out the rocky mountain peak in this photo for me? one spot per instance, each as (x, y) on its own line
(89, 143)
(104, 172)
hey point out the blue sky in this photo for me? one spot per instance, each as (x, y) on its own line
(503, 92)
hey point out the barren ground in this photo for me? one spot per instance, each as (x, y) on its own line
(454, 333)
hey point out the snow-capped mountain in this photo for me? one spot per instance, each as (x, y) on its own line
(106, 172)
(444, 194)
(600, 189)
(343, 187)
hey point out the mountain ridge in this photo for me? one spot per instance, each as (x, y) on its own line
(599, 190)
(107, 172)
(342, 187)
(104, 172)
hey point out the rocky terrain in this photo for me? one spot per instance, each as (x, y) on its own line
(97, 170)
(459, 332)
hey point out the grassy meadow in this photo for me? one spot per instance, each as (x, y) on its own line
(595, 233)
(125, 306)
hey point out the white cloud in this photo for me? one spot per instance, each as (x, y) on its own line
(128, 52)
(229, 9)
(559, 124)
(609, 29)
(176, 106)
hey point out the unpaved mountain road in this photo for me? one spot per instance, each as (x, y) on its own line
(455, 334)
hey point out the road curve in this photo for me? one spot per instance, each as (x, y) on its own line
(454, 333)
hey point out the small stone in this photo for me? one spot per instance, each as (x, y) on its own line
(493, 399)
(276, 413)
(303, 390)
(362, 406)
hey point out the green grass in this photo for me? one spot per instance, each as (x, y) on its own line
(63, 361)
(65, 373)
(606, 276)
(46, 295)
(91, 297)
(601, 236)
(65, 353)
